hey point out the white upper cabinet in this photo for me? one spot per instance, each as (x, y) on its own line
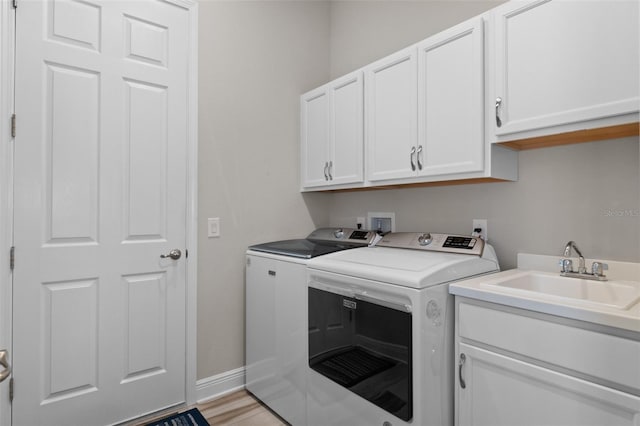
(450, 101)
(391, 116)
(562, 66)
(314, 124)
(332, 134)
(346, 127)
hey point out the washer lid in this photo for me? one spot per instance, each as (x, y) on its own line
(405, 267)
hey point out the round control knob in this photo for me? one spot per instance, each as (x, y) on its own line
(338, 233)
(424, 239)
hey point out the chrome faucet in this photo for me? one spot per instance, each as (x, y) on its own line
(567, 265)
(567, 253)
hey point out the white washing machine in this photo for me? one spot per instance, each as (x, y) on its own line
(381, 329)
(276, 316)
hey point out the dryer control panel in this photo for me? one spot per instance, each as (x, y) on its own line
(428, 241)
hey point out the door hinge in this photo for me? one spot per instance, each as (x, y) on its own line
(13, 126)
(11, 389)
(12, 257)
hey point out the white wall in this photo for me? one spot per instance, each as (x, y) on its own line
(364, 31)
(587, 192)
(255, 59)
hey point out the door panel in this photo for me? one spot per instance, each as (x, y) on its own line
(346, 142)
(99, 317)
(314, 121)
(567, 73)
(450, 87)
(391, 117)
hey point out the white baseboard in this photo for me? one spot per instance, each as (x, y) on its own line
(219, 385)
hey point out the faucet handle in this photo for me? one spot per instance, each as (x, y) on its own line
(598, 267)
(566, 265)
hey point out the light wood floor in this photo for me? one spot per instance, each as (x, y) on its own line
(237, 409)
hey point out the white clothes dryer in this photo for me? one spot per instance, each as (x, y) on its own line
(276, 316)
(381, 329)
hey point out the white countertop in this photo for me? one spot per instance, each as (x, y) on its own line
(485, 288)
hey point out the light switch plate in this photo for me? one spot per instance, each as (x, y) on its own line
(213, 227)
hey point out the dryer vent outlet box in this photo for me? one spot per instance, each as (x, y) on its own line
(382, 222)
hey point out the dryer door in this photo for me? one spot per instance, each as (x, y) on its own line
(364, 345)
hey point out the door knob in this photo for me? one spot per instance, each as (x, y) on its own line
(173, 254)
(3, 362)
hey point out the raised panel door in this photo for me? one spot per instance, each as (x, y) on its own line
(391, 129)
(562, 62)
(503, 391)
(100, 178)
(347, 127)
(450, 103)
(314, 129)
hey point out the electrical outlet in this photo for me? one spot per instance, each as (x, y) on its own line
(360, 222)
(482, 224)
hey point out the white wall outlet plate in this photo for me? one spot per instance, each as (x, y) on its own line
(213, 227)
(482, 224)
(381, 221)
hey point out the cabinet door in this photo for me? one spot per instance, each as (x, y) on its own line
(347, 122)
(391, 116)
(450, 102)
(314, 125)
(502, 391)
(562, 62)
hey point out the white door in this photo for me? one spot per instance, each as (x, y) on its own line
(391, 117)
(450, 103)
(347, 126)
(503, 391)
(314, 126)
(562, 62)
(100, 183)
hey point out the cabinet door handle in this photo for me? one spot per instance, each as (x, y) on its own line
(418, 154)
(498, 103)
(326, 167)
(412, 158)
(330, 170)
(463, 359)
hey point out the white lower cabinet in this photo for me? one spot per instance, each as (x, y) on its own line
(276, 335)
(519, 368)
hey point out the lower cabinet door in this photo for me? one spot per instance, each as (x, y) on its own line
(496, 390)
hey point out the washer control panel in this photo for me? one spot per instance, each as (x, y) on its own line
(449, 243)
(343, 235)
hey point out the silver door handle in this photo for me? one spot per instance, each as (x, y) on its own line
(463, 359)
(173, 254)
(330, 170)
(498, 103)
(418, 153)
(412, 159)
(326, 167)
(7, 368)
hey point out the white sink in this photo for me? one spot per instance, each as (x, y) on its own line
(615, 294)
